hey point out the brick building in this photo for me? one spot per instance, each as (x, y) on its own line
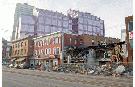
(49, 49)
(22, 50)
(6, 51)
(89, 40)
(129, 38)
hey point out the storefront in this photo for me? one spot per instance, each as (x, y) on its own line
(20, 60)
(49, 60)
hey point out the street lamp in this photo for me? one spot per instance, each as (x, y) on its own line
(35, 13)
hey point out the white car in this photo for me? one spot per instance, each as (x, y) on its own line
(21, 66)
(11, 66)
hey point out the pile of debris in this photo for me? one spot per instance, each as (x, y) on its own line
(111, 70)
(115, 69)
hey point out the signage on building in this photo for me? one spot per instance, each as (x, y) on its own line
(131, 35)
(130, 31)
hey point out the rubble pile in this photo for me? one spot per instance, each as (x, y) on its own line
(105, 70)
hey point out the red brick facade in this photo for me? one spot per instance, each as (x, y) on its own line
(52, 46)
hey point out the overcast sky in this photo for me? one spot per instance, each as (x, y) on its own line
(113, 12)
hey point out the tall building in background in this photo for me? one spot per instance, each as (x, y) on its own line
(23, 14)
(48, 21)
(86, 23)
(29, 20)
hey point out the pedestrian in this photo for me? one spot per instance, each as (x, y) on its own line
(41, 67)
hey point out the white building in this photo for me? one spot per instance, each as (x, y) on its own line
(29, 20)
(21, 11)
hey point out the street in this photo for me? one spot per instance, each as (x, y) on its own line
(34, 78)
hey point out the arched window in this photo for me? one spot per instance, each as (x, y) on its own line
(39, 43)
(44, 41)
(56, 40)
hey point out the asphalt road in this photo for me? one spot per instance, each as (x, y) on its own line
(35, 78)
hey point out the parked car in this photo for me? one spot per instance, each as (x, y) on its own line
(21, 66)
(24, 66)
(11, 66)
(17, 66)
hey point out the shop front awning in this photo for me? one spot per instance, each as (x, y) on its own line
(20, 59)
(13, 59)
(104, 59)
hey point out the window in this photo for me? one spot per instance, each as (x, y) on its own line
(75, 41)
(54, 50)
(39, 44)
(38, 52)
(131, 43)
(46, 51)
(35, 52)
(45, 42)
(16, 45)
(25, 43)
(24, 50)
(59, 40)
(18, 52)
(21, 51)
(36, 43)
(15, 52)
(12, 52)
(49, 50)
(21, 44)
(43, 51)
(57, 51)
(56, 40)
(51, 40)
(48, 41)
(130, 26)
